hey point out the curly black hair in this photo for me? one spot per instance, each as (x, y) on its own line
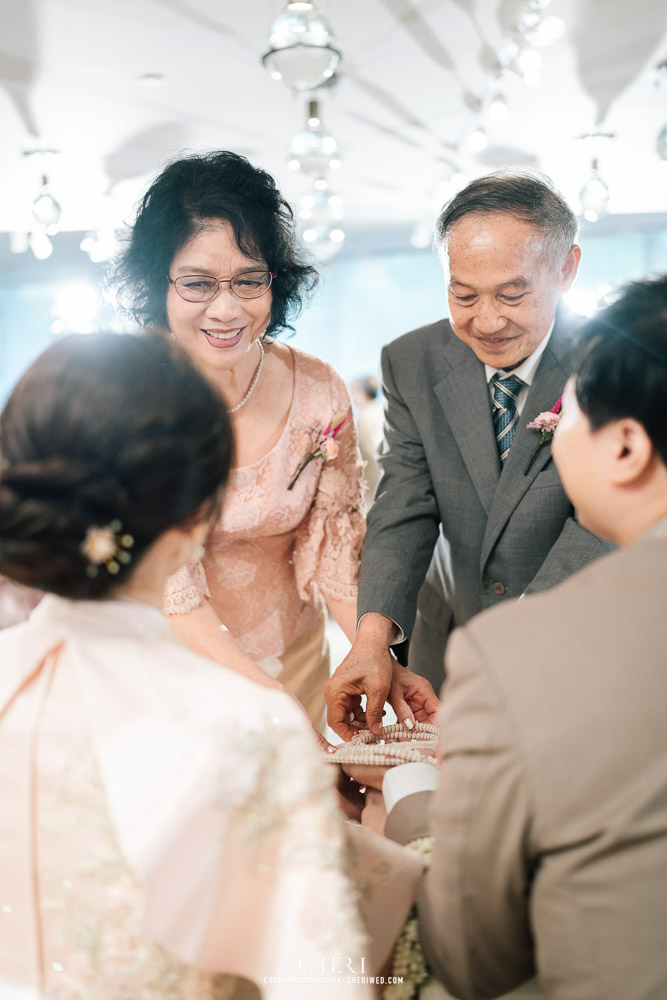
(105, 428)
(190, 193)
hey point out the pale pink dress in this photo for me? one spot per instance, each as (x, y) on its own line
(276, 553)
(154, 837)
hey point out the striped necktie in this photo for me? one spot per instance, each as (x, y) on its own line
(505, 414)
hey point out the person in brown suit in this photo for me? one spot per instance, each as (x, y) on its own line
(549, 810)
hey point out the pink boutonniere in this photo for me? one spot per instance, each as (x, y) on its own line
(325, 445)
(546, 423)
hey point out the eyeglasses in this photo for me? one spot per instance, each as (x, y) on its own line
(203, 287)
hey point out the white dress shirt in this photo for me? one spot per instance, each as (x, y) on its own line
(406, 779)
(525, 372)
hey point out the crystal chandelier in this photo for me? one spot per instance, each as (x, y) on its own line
(300, 48)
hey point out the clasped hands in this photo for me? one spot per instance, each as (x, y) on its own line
(370, 669)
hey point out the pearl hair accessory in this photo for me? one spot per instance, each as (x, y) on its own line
(366, 748)
(254, 381)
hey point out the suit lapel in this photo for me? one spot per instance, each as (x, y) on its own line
(552, 373)
(464, 397)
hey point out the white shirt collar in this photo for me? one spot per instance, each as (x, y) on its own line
(526, 370)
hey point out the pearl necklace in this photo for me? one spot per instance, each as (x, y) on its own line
(254, 381)
(366, 748)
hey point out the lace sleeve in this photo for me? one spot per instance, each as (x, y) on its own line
(328, 545)
(185, 590)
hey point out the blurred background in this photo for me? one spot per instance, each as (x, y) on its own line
(369, 114)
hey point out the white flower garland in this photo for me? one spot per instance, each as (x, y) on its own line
(409, 964)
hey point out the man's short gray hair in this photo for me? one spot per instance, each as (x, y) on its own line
(528, 196)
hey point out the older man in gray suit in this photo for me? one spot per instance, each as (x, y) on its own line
(549, 809)
(465, 486)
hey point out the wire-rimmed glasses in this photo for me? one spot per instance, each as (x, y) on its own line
(203, 287)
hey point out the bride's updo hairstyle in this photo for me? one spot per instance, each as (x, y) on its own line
(108, 431)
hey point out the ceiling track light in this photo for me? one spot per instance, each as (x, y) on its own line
(300, 51)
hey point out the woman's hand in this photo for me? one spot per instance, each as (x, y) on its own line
(374, 814)
(367, 775)
(351, 797)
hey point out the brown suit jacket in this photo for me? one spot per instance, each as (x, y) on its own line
(550, 817)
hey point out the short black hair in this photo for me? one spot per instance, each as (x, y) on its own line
(623, 372)
(528, 196)
(191, 193)
(103, 428)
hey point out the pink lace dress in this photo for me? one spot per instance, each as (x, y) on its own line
(277, 552)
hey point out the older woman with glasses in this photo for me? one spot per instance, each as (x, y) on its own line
(213, 256)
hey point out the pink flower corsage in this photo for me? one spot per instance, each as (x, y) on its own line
(325, 445)
(546, 423)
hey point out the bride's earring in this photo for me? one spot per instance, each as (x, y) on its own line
(197, 554)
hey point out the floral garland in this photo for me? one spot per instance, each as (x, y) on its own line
(409, 968)
(325, 445)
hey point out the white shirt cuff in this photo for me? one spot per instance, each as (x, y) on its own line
(399, 634)
(406, 779)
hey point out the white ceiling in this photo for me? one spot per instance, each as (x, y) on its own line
(400, 109)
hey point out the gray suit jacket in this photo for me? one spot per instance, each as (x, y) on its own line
(498, 534)
(550, 817)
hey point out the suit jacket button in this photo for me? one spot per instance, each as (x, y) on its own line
(498, 588)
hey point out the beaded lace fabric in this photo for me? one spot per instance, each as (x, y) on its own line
(155, 840)
(276, 552)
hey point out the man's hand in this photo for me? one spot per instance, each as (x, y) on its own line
(370, 669)
(367, 669)
(411, 696)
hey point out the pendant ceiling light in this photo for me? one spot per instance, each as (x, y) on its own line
(300, 48)
(45, 209)
(498, 108)
(313, 150)
(594, 196)
(40, 244)
(661, 143)
(320, 213)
